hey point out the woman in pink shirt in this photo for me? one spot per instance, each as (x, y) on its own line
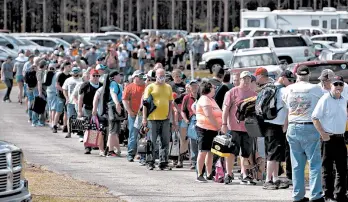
(209, 122)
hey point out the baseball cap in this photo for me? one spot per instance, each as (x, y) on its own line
(93, 71)
(82, 45)
(101, 58)
(253, 78)
(75, 70)
(101, 67)
(56, 52)
(261, 72)
(326, 74)
(302, 70)
(337, 79)
(245, 74)
(193, 82)
(114, 73)
(138, 73)
(151, 75)
(288, 74)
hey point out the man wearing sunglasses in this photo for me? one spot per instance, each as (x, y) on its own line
(329, 118)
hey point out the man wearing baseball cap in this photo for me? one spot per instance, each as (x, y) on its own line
(325, 80)
(262, 77)
(131, 99)
(329, 118)
(236, 128)
(304, 140)
(68, 88)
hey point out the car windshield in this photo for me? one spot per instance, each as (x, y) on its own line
(333, 45)
(26, 42)
(337, 56)
(14, 40)
(254, 60)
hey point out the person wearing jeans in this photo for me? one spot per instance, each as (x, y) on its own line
(329, 118)
(132, 100)
(7, 77)
(159, 118)
(304, 140)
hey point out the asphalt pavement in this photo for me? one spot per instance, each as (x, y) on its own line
(130, 181)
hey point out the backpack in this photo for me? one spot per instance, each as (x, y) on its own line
(266, 102)
(30, 79)
(219, 171)
(245, 108)
(47, 81)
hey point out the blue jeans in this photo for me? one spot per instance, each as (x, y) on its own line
(132, 139)
(33, 116)
(304, 141)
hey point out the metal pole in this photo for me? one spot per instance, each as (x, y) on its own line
(88, 16)
(191, 63)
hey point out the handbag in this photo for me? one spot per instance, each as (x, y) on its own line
(144, 146)
(222, 145)
(174, 148)
(191, 131)
(114, 116)
(91, 136)
(39, 105)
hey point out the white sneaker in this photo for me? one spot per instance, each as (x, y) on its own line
(81, 139)
(101, 153)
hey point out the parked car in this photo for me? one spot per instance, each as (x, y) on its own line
(251, 59)
(323, 45)
(252, 32)
(14, 44)
(13, 185)
(27, 42)
(49, 42)
(5, 52)
(316, 67)
(341, 40)
(332, 54)
(290, 48)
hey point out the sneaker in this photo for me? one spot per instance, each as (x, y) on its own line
(201, 179)
(130, 160)
(305, 199)
(179, 165)
(150, 166)
(164, 167)
(80, 139)
(270, 186)
(87, 150)
(282, 184)
(142, 162)
(193, 167)
(33, 125)
(29, 121)
(54, 129)
(68, 135)
(248, 181)
(65, 129)
(40, 125)
(102, 153)
(111, 154)
(228, 179)
(118, 153)
(210, 177)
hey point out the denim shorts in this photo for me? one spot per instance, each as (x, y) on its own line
(20, 78)
(183, 124)
(70, 108)
(60, 105)
(51, 101)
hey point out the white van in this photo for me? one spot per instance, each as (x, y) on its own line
(341, 40)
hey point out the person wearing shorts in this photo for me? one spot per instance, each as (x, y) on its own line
(208, 115)
(237, 128)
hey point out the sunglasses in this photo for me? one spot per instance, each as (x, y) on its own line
(338, 84)
(96, 75)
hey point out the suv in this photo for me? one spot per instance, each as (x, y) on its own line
(316, 67)
(289, 48)
(341, 40)
(13, 186)
(251, 59)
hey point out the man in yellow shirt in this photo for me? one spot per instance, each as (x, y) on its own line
(162, 98)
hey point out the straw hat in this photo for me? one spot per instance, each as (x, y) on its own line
(21, 58)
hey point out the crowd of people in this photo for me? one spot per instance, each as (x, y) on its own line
(159, 100)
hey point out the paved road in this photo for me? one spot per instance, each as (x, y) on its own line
(127, 180)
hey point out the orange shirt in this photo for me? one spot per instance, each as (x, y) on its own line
(133, 93)
(202, 118)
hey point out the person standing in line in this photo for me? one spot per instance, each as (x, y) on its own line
(159, 118)
(198, 50)
(18, 69)
(160, 51)
(41, 89)
(91, 56)
(132, 100)
(51, 94)
(60, 107)
(304, 140)
(7, 77)
(170, 53)
(329, 118)
(230, 125)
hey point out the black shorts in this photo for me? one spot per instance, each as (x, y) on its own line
(274, 142)
(205, 138)
(242, 142)
(114, 127)
(197, 57)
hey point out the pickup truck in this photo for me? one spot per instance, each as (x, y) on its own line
(13, 185)
(288, 48)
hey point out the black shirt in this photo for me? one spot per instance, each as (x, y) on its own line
(170, 47)
(179, 89)
(88, 91)
(61, 79)
(221, 90)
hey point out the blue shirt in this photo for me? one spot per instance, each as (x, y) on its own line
(117, 89)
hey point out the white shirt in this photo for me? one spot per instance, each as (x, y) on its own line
(301, 99)
(69, 85)
(332, 114)
(283, 112)
(122, 58)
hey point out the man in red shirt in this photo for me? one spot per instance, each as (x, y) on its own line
(132, 100)
(237, 129)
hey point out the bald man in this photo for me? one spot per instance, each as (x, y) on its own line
(162, 98)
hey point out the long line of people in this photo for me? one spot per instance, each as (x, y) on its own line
(164, 106)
